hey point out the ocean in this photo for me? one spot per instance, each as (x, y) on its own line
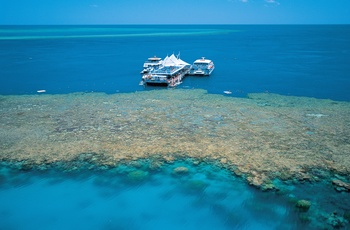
(96, 150)
(304, 60)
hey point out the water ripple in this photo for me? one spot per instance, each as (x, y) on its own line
(65, 33)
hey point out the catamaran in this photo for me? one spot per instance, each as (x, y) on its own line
(152, 63)
(170, 72)
(202, 67)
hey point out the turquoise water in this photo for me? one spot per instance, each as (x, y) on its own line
(311, 61)
(206, 197)
(138, 196)
(67, 32)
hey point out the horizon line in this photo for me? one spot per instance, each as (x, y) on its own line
(181, 24)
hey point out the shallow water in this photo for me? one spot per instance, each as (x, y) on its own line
(132, 197)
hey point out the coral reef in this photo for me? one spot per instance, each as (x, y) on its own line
(137, 176)
(196, 186)
(180, 170)
(303, 205)
(336, 221)
(341, 185)
(262, 137)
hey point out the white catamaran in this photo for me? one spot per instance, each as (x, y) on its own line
(169, 72)
(151, 64)
(202, 67)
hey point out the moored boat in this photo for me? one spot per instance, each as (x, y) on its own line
(151, 64)
(170, 73)
(202, 67)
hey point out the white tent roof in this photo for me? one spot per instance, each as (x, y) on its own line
(182, 62)
(173, 61)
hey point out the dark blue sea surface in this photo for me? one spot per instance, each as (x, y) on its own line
(301, 60)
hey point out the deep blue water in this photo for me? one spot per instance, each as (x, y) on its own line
(302, 60)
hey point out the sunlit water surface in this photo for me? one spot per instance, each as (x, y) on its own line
(128, 197)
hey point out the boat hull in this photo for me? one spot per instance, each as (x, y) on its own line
(170, 73)
(161, 84)
(165, 80)
(202, 67)
(205, 72)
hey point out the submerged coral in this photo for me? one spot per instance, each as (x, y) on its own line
(137, 176)
(341, 185)
(180, 170)
(303, 205)
(263, 137)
